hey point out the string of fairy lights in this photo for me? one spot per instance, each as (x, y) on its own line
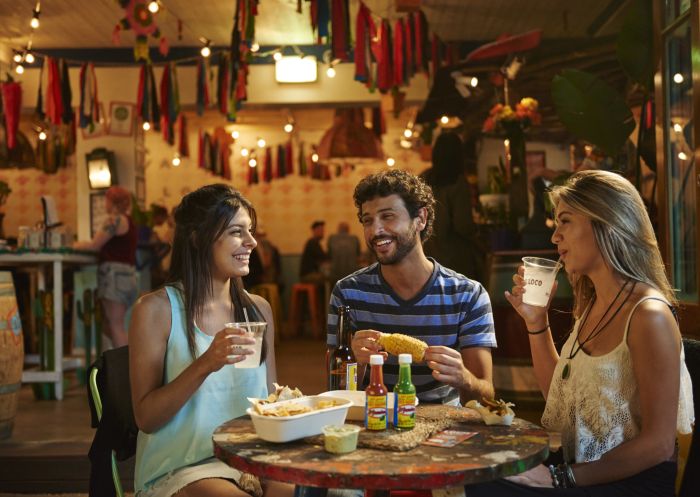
(410, 133)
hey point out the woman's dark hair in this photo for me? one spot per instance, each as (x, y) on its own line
(414, 192)
(448, 161)
(201, 218)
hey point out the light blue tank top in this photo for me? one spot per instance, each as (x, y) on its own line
(187, 438)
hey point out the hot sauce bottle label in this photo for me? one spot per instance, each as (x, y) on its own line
(405, 405)
(351, 376)
(375, 414)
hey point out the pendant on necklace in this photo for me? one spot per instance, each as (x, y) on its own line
(565, 372)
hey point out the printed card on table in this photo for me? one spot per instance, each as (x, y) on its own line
(449, 438)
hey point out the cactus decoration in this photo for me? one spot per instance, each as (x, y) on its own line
(98, 323)
(88, 313)
(43, 310)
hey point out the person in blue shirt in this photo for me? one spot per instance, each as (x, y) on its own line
(181, 354)
(409, 293)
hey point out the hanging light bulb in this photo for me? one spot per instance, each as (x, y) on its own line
(677, 128)
(42, 135)
(314, 157)
(288, 128)
(154, 7)
(19, 69)
(254, 47)
(407, 133)
(146, 126)
(206, 49)
(34, 23)
(330, 72)
(252, 163)
(261, 143)
(682, 156)
(235, 134)
(390, 161)
(474, 82)
(245, 152)
(176, 160)
(29, 58)
(17, 57)
(444, 119)
(678, 78)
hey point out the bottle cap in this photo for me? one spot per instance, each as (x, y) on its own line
(376, 360)
(405, 358)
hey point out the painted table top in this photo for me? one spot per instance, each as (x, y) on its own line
(494, 452)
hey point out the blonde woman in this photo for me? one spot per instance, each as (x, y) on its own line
(619, 389)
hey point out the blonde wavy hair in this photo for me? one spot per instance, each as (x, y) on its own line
(622, 230)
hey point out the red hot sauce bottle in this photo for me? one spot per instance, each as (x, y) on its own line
(376, 405)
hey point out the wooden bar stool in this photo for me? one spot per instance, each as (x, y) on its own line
(271, 293)
(296, 311)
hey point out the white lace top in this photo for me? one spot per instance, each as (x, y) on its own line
(597, 407)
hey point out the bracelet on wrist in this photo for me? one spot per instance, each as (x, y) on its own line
(538, 332)
(556, 483)
(562, 476)
(570, 479)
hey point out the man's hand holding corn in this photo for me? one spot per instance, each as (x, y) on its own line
(366, 343)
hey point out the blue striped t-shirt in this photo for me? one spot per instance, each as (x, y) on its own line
(450, 310)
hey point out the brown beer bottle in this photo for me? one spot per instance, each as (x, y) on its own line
(342, 365)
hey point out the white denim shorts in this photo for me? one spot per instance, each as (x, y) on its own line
(117, 282)
(170, 484)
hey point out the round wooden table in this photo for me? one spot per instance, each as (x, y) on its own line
(494, 452)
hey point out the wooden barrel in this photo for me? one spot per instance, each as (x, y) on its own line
(11, 354)
(513, 374)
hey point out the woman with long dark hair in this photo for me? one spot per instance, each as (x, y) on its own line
(183, 385)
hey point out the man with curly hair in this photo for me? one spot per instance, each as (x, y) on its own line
(407, 292)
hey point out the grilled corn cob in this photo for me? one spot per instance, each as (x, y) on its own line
(397, 343)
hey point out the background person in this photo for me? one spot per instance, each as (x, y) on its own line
(313, 256)
(180, 353)
(455, 242)
(162, 241)
(115, 242)
(406, 292)
(620, 389)
(344, 252)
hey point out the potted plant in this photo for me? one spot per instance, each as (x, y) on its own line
(494, 203)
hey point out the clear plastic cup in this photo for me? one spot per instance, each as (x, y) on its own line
(539, 279)
(340, 439)
(257, 331)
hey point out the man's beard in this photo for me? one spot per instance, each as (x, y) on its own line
(405, 243)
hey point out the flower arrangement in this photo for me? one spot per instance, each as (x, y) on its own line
(504, 118)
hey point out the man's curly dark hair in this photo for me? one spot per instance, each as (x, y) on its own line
(414, 192)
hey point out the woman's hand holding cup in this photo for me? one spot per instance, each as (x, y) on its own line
(535, 316)
(228, 347)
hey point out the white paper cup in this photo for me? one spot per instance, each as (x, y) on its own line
(539, 279)
(257, 331)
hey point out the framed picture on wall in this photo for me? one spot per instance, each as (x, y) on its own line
(535, 162)
(97, 129)
(98, 211)
(121, 118)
